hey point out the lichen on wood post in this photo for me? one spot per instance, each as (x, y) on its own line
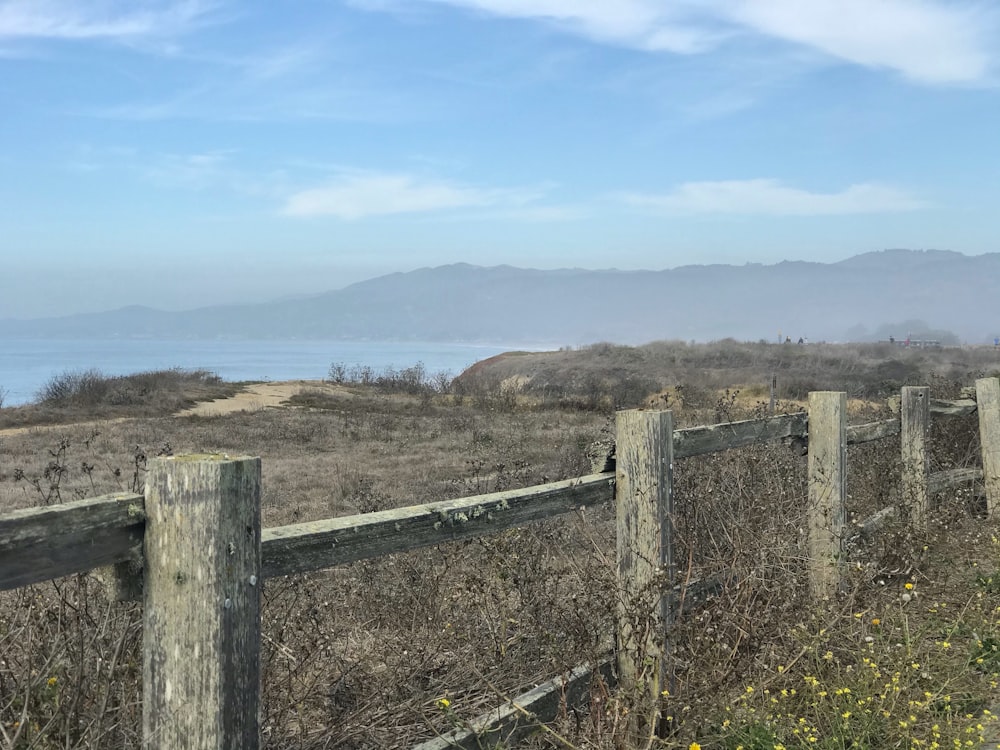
(201, 618)
(644, 504)
(915, 422)
(827, 489)
(988, 401)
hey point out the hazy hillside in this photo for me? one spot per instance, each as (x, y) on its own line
(861, 298)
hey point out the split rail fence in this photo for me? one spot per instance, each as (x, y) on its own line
(195, 539)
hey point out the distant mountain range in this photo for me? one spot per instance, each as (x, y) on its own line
(925, 293)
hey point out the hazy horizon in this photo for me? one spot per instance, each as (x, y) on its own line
(184, 154)
(310, 294)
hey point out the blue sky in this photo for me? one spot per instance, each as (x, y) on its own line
(180, 154)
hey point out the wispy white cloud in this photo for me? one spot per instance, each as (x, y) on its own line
(188, 171)
(529, 214)
(71, 19)
(180, 105)
(766, 197)
(218, 172)
(283, 62)
(678, 26)
(925, 40)
(352, 195)
(719, 104)
(928, 41)
(256, 100)
(360, 195)
(287, 82)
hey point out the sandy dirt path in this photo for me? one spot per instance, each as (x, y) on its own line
(7, 431)
(252, 398)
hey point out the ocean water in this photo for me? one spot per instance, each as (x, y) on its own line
(26, 365)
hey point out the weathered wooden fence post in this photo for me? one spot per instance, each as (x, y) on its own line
(988, 404)
(644, 449)
(201, 618)
(915, 422)
(827, 489)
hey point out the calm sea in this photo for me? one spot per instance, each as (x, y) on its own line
(26, 365)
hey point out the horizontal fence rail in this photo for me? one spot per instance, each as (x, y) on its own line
(39, 544)
(938, 482)
(303, 547)
(866, 433)
(942, 481)
(697, 441)
(960, 408)
(519, 717)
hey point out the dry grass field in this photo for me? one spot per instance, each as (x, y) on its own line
(389, 652)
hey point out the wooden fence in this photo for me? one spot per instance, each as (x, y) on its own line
(193, 546)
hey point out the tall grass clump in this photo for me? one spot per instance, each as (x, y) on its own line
(414, 380)
(609, 376)
(92, 388)
(91, 394)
